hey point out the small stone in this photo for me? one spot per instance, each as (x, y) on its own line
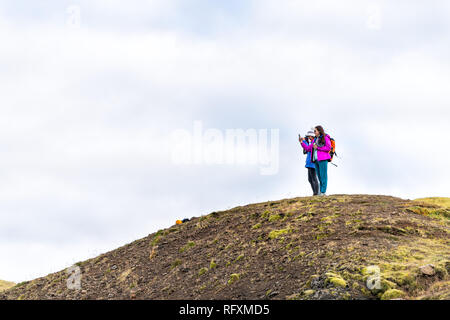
(114, 267)
(317, 283)
(428, 270)
(83, 291)
(272, 294)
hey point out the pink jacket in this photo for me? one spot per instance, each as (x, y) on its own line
(323, 153)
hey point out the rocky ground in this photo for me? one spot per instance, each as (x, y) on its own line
(335, 247)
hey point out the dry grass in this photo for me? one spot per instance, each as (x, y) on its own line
(6, 285)
(439, 201)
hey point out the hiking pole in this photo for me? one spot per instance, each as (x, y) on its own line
(335, 155)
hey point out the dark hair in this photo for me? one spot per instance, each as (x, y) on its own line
(322, 132)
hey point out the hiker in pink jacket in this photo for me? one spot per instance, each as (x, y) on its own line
(320, 149)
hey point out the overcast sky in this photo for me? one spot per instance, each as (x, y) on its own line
(93, 91)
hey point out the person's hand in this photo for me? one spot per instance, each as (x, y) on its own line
(301, 139)
(315, 146)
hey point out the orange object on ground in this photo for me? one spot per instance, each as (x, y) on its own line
(179, 222)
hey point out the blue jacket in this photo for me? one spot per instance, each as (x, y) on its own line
(309, 163)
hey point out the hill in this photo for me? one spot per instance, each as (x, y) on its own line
(335, 247)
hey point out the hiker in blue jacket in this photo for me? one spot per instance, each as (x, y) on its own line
(312, 176)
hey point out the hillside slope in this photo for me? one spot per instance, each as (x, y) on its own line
(300, 248)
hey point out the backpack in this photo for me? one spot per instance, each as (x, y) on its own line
(333, 149)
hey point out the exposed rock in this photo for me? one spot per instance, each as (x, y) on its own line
(428, 270)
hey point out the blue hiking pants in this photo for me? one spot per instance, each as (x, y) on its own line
(321, 169)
